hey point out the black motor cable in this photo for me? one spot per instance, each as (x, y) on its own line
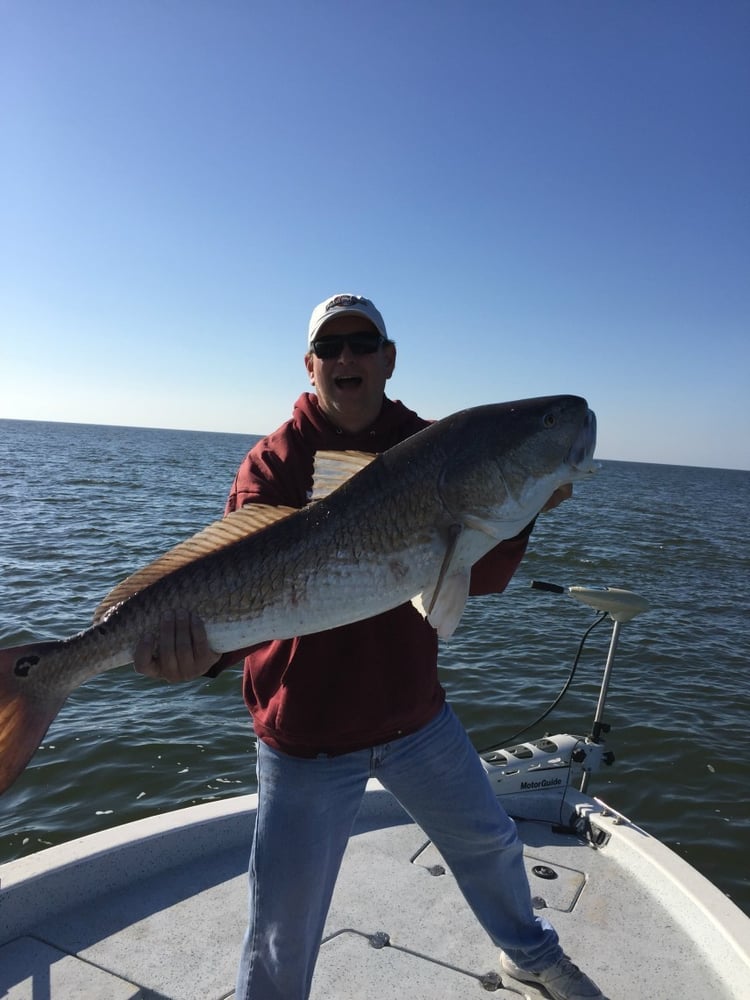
(511, 739)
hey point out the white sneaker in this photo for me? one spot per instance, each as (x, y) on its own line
(563, 980)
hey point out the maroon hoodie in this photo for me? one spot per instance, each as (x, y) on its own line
(363, 684)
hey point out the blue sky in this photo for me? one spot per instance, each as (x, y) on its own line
(541, 197)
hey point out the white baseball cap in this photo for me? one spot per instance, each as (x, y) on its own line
(343, 305)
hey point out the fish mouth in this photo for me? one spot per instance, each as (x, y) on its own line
(581, 453)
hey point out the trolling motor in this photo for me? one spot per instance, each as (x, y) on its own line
(532, 777)
(620, 606)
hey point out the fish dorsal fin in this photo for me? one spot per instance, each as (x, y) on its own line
(220, 535)
(332, 469)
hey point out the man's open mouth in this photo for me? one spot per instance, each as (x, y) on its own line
(348, 381)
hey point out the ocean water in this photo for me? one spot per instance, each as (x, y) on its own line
(82, 506)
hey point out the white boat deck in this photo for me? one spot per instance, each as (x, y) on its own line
(156, 909)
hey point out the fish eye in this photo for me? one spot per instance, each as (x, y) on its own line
(549, 420)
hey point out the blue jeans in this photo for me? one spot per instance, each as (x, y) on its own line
(306, 810)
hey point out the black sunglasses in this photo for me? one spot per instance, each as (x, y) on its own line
(365, 342)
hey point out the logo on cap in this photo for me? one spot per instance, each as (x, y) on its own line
(339, 301)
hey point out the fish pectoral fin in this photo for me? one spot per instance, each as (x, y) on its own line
(332, 469)
(443, 608)
(443, 604)
(237, 525)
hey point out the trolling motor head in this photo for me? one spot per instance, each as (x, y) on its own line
(621, 605)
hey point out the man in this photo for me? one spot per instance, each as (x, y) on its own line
(333, 709)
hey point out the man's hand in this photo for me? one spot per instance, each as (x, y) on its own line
(179, 651)
(561, 493)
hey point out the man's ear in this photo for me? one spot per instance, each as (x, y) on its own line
(390, 358)
(309, 367)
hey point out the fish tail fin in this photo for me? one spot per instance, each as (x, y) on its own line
(26, 711)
